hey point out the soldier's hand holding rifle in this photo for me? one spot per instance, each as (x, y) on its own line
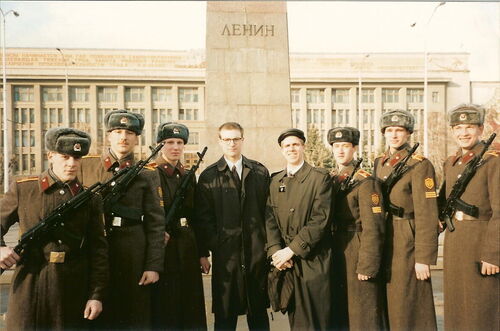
(8, 257)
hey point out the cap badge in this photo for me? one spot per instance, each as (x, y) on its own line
(175, 131)
(77, 147)
(463, 117)
(394, 118)
(338, 134)
(123, 120)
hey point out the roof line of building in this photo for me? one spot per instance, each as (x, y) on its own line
(203, 49)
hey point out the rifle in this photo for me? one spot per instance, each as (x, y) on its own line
(347, 183)
(399, 170)
(454, 202)
(55, 220)
(118, 189)
(181, 190)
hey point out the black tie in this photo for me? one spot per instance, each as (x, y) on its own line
(236, 178)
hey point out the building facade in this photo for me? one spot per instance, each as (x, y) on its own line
(77, 87)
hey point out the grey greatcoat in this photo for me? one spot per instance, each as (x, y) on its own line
(298, 216)
(358, 241)
(410, 238)
(49, 294)
(233, 228)
(472, 301)
(137, 245)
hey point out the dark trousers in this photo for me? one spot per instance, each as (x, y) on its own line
(256, 322)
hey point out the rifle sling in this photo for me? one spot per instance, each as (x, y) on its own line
(467, 208)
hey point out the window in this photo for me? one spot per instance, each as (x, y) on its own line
(24, 162)
(415, 95)
(295, 96)
(368, 95)
(435, 97)
(188, 114)
(296, 117)
(32, 138)
(315, 95)
(52, 115)
(32, 163)
(51, 94)
(194, 138)
(340, 96)
(23, 94)
(107, 94)
(390, 95)
(79, 94)
(79, 115)
(188, 95)
(134, 94)
(161, 94)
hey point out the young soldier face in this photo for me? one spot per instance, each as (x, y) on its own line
(122, 141)
(292, 149)
(173, 149)
(64, 166)
(467, 135)
(231, 143)
(396, 136)
(343, 152)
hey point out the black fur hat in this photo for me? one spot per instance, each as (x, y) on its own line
(67, 141)
(124, 119)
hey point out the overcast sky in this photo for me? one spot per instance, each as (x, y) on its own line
(313, 27)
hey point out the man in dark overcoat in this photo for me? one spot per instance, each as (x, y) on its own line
(230, 207)
(134, 225)
(412, 228)
(178, 300)
(472, 251)
(299, 235)
(358, 239)
(61, 282)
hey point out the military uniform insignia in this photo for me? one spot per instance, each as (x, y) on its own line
(29, 179)
(124, 120)
(375, 199)
(363, 173)
(395, 118)
(282, 188)
(463, 117)
(175, 131)
(160, 192)
(77, 148)
(57, 257)
(338, 134)
(429, 183)
(377, 210)
(492, 153)
(418, 157)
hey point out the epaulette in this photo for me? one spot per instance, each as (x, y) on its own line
(90, 156)
(151, 166)
(418, 157)
(28, 179)
(492, 153)
(363, 173)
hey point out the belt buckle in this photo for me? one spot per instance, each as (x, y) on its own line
(184, 221)
(57, 257)
(117, 221)
(459, 215)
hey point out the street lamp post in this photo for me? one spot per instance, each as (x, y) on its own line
(426, 107)
(66, 86)
(5, 109)
(360, 108)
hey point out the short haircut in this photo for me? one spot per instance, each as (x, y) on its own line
(231, 126)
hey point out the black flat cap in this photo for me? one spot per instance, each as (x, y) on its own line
(291, 132)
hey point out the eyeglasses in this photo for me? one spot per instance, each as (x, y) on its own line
(231, 140)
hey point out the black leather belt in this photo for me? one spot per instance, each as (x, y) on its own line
(348, 228)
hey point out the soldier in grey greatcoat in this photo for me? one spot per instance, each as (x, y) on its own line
(472, 251)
